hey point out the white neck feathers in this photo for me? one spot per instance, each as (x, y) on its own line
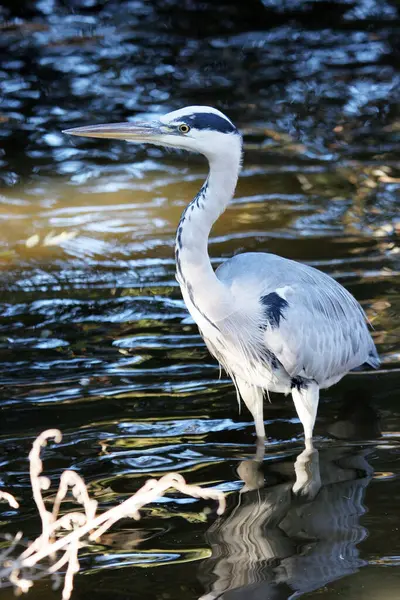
(194, 271)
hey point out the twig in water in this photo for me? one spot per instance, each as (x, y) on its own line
(22, 570)
(9, 498)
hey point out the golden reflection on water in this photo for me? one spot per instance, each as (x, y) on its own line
(120, 215)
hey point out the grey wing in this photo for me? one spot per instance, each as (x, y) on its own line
(314, 326)
(321, 333)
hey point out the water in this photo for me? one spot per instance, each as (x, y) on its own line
(95, 338)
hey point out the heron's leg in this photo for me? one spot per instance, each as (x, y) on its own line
(305, 399)
(253, 397)
(308, 476)
(250, 470)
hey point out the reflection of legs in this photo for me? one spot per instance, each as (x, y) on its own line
(308, 477)
(253, 397)
(251, 473)
(250, 470)
(306, 402)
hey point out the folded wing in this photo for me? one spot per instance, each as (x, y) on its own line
(312, 324)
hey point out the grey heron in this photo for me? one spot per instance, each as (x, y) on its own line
(275, 325)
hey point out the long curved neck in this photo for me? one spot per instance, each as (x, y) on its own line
(194, 271)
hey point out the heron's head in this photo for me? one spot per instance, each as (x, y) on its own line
(195, 128)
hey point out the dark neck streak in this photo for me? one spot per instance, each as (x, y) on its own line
(200, 286)
(196, 204)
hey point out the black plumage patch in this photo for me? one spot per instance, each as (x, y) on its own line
(199, 198)
(179, 236)
(209, 121)
(272, 360)
(299, 383)
(178, 264)
(274, 307)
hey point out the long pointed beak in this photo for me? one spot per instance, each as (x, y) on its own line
(131, 132)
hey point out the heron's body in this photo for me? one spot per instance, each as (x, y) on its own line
(296, 333)
(275, 325)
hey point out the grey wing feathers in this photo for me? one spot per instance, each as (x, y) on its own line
(321, 336)
(320, 331)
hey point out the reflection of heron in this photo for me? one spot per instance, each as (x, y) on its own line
(273, 324)
(278, 545)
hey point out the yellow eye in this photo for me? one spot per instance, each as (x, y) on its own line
(184, 128)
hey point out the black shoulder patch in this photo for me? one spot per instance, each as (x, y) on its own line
(274, 307)
(210, 121)
(299, 383)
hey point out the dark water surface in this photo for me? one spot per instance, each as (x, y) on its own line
(95, 338)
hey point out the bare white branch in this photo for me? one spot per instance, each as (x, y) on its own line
(9, 498)
(83, 527)
(79, 491)
(40, 483)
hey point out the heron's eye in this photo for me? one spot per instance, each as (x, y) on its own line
(184, 128)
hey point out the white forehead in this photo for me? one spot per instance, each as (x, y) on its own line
(177, 115)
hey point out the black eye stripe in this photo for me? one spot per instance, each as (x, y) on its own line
(210, 121)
